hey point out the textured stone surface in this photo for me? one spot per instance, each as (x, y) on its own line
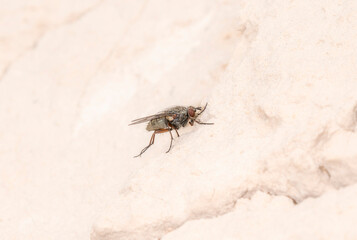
(280, 79)
(332, 216)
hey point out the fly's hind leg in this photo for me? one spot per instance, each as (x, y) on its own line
(152, 140)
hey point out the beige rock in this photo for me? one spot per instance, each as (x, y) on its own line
(280, 79)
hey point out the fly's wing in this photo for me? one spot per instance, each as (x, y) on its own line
(147, 118)
(165, 113)
(173, 110)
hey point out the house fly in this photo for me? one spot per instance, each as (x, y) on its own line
(170, 119)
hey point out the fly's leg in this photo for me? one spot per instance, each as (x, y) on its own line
(178, 135)
(173, 127)
(202, 109)
(171, 140)
(152, 140)
(199, 122)
(202, 123)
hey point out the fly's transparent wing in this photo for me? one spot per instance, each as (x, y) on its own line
(173, 110)
(147, 118)
(167, 112)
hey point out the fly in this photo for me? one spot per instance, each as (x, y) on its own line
(170, 119)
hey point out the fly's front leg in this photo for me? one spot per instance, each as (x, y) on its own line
(202, 123)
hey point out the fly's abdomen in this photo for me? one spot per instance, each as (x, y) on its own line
(156, 124)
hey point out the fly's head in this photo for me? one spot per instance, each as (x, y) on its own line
(194, 112)
(191, 111)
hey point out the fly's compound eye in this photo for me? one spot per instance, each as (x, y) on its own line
(191, 112)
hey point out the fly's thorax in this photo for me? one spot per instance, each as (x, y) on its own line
(180, 118)
(156, 124)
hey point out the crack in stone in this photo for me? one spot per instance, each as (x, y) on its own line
(79, 16)
(24, 52)
(295, 202)
(5, 71)
(244, 195)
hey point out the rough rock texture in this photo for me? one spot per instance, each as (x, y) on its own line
(332, 216)
(281, 81)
